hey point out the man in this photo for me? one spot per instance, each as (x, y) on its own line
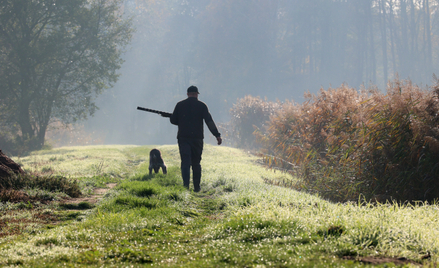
(188, 115)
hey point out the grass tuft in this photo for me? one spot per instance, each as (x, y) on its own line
(332, 231)
(80, 206)
(49, 183)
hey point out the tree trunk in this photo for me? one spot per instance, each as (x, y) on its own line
(384, 39)
(413, 59)
(372, 68)
(404, 63)
(429, 55)
(41, 134)
(392, 36)
(44, 115)
(27, 132)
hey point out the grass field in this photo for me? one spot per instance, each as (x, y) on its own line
(237, 220)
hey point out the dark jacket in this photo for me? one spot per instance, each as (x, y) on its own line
(188, 115)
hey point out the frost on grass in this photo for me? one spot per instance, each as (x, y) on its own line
(260, 223)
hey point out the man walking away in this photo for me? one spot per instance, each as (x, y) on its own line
(188, 115)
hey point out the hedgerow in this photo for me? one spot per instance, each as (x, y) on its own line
(346, 143)
(248, 115)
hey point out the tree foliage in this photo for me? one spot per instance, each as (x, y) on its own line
(56, 56)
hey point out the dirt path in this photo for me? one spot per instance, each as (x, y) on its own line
(98, 193)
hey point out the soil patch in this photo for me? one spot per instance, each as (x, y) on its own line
(381, 260)
(16, 221)
(8, 167)
(98, 193)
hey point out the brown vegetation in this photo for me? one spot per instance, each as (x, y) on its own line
(379, 260)
(346, 143)
(13, 180)
(49, 183)
(11, 225)
(8, 166)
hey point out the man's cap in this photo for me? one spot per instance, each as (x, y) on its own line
(192, 89)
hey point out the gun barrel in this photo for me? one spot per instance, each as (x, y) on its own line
(148, 110)
(164, 114)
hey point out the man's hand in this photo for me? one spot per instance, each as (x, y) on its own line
(166, 115)
(219, 140)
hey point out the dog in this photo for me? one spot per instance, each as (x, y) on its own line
(156, 162)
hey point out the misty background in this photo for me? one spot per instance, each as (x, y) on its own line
(278, 49)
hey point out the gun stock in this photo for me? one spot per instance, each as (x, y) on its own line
(164, 114)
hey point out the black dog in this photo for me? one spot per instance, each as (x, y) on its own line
(156, 162)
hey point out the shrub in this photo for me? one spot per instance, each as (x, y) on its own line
(79, 206)
(49, 183)
(13, 196)
(247, 115)
(12, 144)
(345, 143)
(7, 143)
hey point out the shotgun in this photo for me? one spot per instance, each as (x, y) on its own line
(164, 114)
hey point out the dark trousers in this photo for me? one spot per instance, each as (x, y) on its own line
(190, 154)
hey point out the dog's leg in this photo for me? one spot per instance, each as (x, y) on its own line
(165, 171)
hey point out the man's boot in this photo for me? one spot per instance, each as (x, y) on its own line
(186, 173)
(196, 177)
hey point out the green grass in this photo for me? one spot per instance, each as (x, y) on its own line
(237, 220)
(86, 161)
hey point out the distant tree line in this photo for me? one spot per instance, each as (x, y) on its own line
(364, 40)
(277, 49)
(257, 47)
